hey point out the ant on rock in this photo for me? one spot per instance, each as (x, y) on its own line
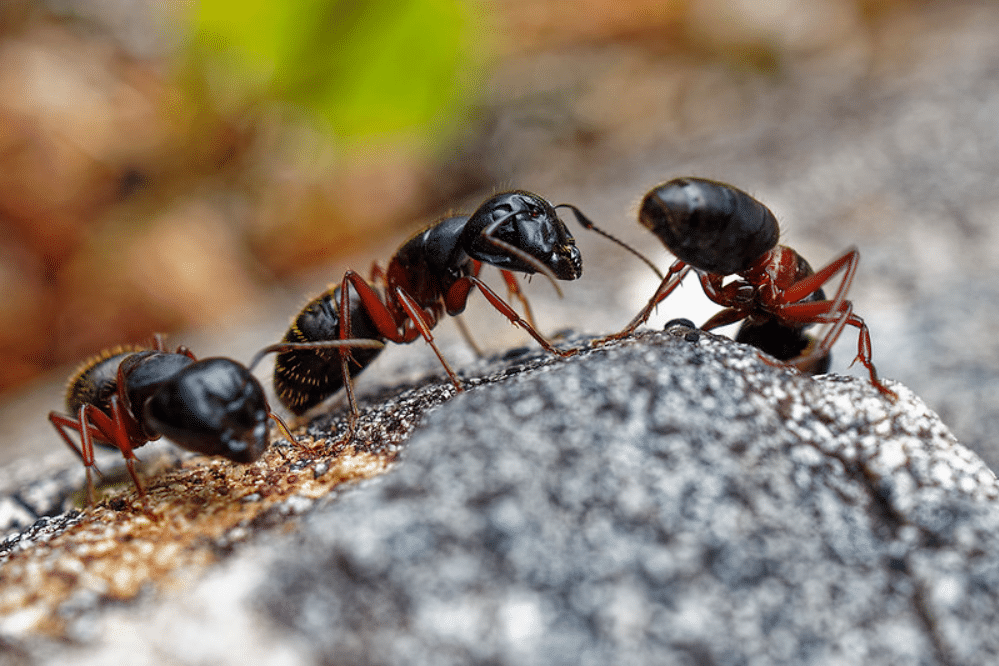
(718, 230)
(431, 274)
(127, 396)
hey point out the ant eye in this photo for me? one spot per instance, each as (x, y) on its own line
(533, 211)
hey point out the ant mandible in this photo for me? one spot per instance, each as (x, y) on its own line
(718, 230)
(431, 274)
(127, 396)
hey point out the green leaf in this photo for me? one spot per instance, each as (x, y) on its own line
(369, 68)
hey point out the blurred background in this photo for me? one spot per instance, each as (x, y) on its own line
(202, 168)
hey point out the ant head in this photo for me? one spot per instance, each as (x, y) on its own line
(712, 226)
(520, 231)
(214, 407)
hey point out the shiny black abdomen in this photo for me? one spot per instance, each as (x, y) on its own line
(303, 378)
(712, 226)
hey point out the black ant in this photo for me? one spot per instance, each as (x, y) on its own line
(718, 230)
(429, 276)
(127, 396)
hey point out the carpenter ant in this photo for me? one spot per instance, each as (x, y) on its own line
(718, 230)
(429, 276)
(127, 396)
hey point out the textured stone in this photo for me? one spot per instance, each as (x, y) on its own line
(664, 502)
(668, 499)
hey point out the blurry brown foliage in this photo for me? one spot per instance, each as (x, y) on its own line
(129, 205)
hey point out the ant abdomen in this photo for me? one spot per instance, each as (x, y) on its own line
(96, 380)
(714, 227)
(303, 378)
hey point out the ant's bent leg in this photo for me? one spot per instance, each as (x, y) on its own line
(821, 312)
(864, 354)
(423, 323)
(514, 291)
(123, 442)
(674, 276)
(60, 423)
(504, 308)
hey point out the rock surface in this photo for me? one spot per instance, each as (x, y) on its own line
(671, 499)
(672, 503)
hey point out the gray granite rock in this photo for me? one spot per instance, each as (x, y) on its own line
(671, 501)
(667, 499)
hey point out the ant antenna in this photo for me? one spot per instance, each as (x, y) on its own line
(586, 223)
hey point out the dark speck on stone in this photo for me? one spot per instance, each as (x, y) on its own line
(516, 352)
(678, 323)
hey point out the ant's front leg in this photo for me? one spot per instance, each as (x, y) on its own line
(674, 276)
(458, 294)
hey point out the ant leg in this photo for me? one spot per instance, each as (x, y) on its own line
(160, 345)
(467, 335)
(514, 291)
(377, 274)
(182, 349)
(822, 312)
(92, 421)
(724, 318)
(87, 452)
(808, 285)
(386, 323)
(422, 322)
(60, 423)
(283, 428)
(504, 308)
(123, 442)
(348, 385)
(674, 276)
(459, 306)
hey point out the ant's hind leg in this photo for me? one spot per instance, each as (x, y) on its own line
(821, 312)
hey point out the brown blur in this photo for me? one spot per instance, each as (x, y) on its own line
(130, 205)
